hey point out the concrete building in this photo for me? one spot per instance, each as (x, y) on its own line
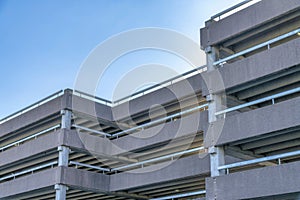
(226, 131)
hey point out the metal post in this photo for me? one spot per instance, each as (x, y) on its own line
(63, 151)
(63, 155)
(212, 55)
(60, 192)
(216, 159)
(63, 161)
(214, 104)
(66, 119)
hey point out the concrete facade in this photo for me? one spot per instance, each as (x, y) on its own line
(229, 132)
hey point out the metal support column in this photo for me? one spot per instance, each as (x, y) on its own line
(66, 119)
(212, 55)
(63, 161)
(60, 192)
(63, 151)
(216, 159)
(63, 155)
(215, 104)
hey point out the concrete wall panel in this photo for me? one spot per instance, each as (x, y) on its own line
(260, 121)
(255, 183)
(257, 66)
(183, 168)
(28, 183)
(91, 108)
(245, 19)
(31, 148)
(166, 95)
(189, 125)
(31, 116)
(186, 126)
(84, 180)
(86, 142)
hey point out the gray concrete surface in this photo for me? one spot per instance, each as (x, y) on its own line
(237, 23)
(255, 183)
(254, 67)
(265, 120)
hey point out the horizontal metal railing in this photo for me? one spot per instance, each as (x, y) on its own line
(105, 101)
(231, 9)
(150, 89)
(91, 130)
(181, 195)
(89, 166)
(142, 163)
(28, 171)
(92, 98)
(32, 106)
(29, 137)
(161, 120)
(157, 159)
(161, 85)
(260, 160)
(265, 44)
(272, 97)
(144, 91)
(143, 126)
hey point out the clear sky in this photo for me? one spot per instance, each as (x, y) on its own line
(44, 42)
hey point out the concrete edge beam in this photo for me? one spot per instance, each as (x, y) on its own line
(90, 108)
(176, 91)
(29, 149)
(262, 182)
(260, 13)
(252, 68)
(28, 183)
(155, 174)
(41, 112)
(186, 126)
(261, 121)
(84, 180)
(85, 142)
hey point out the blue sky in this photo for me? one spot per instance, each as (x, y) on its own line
(44, 42)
